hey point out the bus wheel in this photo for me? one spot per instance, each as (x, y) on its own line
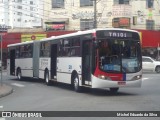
(76, 83)
(158, 69)
(19, 74)
(114, 90)
(46, 77)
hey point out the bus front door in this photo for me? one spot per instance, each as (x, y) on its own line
(86, 62)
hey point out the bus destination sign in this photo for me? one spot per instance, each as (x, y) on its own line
(114, 34)
(117, 34)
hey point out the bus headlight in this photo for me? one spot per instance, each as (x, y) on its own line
(104, 77)
(137, 77)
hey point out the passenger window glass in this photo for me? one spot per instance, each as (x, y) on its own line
(69, 47)
(66, 47)
(45, 47)
(25, 51)
(75, 47)
(17, 52)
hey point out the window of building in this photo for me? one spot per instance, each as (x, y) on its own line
(121, 1)
(19, 7)
(149, 3)
(57, 3)
(31, 2)
(19, 19)
(86, 3)
(31, 15)
(150, 24)
(86, 24)
(19, 1)
(31, 8)
(19, 13)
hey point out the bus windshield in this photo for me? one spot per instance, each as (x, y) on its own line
(122, 56)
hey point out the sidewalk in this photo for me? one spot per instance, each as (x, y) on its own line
(5, 90)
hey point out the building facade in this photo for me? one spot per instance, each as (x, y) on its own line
(21, 13)
(79, 14)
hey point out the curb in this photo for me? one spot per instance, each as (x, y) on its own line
(5, 90)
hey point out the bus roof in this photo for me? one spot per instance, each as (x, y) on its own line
(86, 32)
(73, 34)
(22, 43)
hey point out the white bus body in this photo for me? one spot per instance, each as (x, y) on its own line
(76, 59)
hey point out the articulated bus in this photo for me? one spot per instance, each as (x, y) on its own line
(99, 58)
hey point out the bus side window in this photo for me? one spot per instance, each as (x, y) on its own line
(21, 51)
(17, 52)
(66, 47)
(60, 48)
(30, 49)
(75, 47)
(44, 50)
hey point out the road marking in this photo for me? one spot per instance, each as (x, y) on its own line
(145, 79)
(18, 85)
(1, 106)
(2, 118)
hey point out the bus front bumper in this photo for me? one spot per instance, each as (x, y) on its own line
(101, 83)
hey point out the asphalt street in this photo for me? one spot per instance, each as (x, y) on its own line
(34, 95)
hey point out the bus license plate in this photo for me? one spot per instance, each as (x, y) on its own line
(121, 83)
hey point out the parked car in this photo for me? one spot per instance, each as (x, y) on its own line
(149, 64)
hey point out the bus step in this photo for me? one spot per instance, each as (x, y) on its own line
(87, 82)
(53, 79)
(88, 86)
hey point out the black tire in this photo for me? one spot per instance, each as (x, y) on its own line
(46, 78)
(76, 86)
(114, 90)
(19, 74)
(157, 69)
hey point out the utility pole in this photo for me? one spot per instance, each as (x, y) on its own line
(95, 14)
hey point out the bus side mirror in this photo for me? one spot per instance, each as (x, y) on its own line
(96, 46)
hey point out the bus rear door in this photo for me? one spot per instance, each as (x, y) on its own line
(53, 60)
(12, 62)
(86, 62)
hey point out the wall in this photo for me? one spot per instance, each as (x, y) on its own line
(106, 11)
